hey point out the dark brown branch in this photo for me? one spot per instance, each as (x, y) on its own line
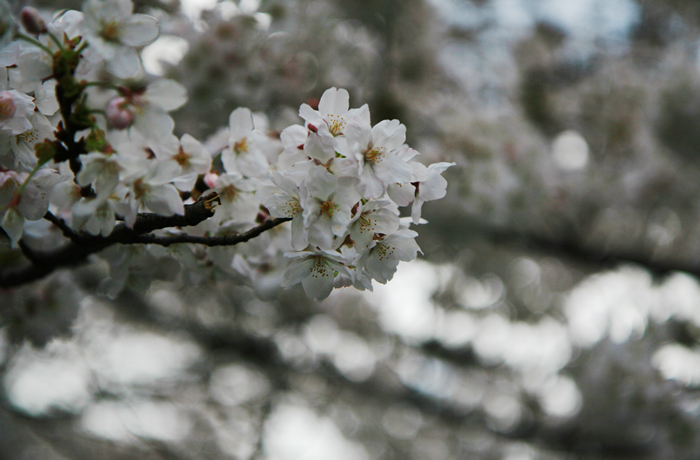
(226, 240)
(82, 245)
(61, 224)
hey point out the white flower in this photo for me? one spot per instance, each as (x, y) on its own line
(15, 107)
(113, 31)
(371, 219)
(238, 202)
(150, 106)
(320, 145)
(375, 149)
(382, 259)
(432, 188)
(243, 154)
(327, 205)
(189, 155)
(45, 97)
(288, 204)
(402, 193)
(150, 188)
(124, 155)
(31, 204)
(19, 149)
(316, 271)
(94, 216)
(101, 170)
(333, 111)
(35, 65)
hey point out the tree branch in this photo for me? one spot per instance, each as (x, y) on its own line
(82, 245)
(226, 240)
(569, 245)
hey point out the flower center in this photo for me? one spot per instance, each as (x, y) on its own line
(140, 189)
(373, 155)
(31, 136)
(241, 146)
(293, 208)
(111, 31)
(318, 270)
(336, 124)
(182, 158)
(328, 208)
(367, 224)
(229, 193)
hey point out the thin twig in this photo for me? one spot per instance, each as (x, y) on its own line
(225, 240)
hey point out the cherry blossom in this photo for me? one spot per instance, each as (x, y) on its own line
(113, 30)
(327, 205)
(316, 271)
(333, 111)
(243, 154)
(339, 180)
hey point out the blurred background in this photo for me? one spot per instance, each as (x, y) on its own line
(555, 313)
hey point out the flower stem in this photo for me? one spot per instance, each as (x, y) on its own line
(55, 40)
(35, 42)
(102, 84)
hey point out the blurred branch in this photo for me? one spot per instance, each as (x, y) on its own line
(570, 245)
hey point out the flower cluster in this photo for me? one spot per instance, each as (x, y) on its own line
(99, 153)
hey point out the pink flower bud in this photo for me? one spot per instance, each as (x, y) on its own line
(118, 114)
(210, 179)
(32, 21)
(7, 105)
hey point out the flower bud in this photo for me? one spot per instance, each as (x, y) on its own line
(32, 21)
(118, 114)
(210, 179)
(7, 105)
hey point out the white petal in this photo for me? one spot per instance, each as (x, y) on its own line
(296, 271)
(164, 200)
(390, 134)
(320, 183)
(402, 194)
(416, 210)
(13, 224)
(167, 94)
(373, 187)
(185, 183)
(391, 169)
(300, 237)
(362, 113)
(320, 283)
(154, 124)
(293, 136)
(310, 115)
(240, 123)
(357, 133)
(125, 62)
(139, 30)
(320, 146)
(334, 101)
(46, 100)
(433, 189)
